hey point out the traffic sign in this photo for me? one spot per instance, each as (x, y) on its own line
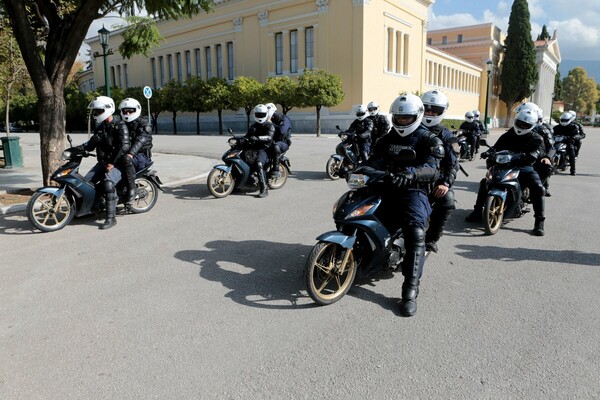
(147, 92)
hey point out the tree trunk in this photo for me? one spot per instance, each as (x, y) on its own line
(197, 122)
(508, 112)
(174, 122)
(52, 133)
(220, 112)
(318, 121)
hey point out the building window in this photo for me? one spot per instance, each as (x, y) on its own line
(399, 53)
(406, 53)
(153, 69)
(179, 67)
(161, 65)
(170, 66)
(390, 50)
(444, 39)
(126, 76)
(188, 65)
(294, 52)
(230, 72)
(119, 80)
(208, 57)
(198, 63)
(92, 85)
(309, 44)
(219, 49)
(459, 39)
(112, 77)
(278, 53)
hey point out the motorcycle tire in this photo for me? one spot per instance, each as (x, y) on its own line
(493, 214)
(48, 213)
(279, 181)
(220, 183)
(327, 280)
(332, 168)
(146, 195)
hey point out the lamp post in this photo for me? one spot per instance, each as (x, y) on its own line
(103, 34)
(488, 65)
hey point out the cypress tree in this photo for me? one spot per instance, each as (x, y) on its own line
(518, 69)
(544, 35)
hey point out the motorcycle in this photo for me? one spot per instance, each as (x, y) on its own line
(51, 208)
(505, 198)
(361, 245)
(560, 159)
(345, 159)
(236, 172)
(464, 145)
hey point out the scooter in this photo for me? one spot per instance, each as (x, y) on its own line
(560, 159)
(346, 159)
(51, 208)
(361, 245)
(236, 172)
(464, 145)
(505, 198)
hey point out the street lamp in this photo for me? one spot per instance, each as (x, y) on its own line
(103, 35)
(489, 66)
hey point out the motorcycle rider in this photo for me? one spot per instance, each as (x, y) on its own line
(442, 196)
(381, 125)
(362, 128)
(481, 127)
(544, 166)
(472, 131)
(570, 130)
(282, 140)
(139, 154)
(406, 204)
(581, 133)
(520, 139)
(259, 139)
(111, 141)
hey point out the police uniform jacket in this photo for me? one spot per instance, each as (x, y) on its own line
(110, 140)
(362, 129)
(140, 131)
(260, 136)
(449, 164)
(530, 147)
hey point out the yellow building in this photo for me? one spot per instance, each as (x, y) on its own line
(378, 47)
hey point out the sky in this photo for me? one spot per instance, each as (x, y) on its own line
(577, 21)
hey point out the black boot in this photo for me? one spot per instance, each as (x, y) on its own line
(412, 268)
(111, 205)
(275, 170)
(262, 182)
(437, 221)
(475, 216)
(538, 228)
(129, 172)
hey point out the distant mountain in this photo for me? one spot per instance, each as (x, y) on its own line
(592, 68)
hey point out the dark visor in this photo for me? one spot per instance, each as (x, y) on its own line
(260, 115)
(522, 124)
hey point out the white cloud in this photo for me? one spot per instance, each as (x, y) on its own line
(576, 40)
(450, 21)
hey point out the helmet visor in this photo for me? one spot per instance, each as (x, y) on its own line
(260, 114)
(434, 111)
(372, 108)
(523, 125)
(403, 119)
(360, 113)
(127, 111)
(97, 111)
(565, 120)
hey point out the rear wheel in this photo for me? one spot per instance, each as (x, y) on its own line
(333, 168)
(329, 273)
(146, 195)
(277, 182)
(49, 213)
(220, 183)
(493, 214)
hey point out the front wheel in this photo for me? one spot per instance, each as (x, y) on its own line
(329, 273)
(220, 183)
(49, 213)
(493, 214)
(146, 195)
(333, 168)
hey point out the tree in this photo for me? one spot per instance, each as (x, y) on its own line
(320, 88)
(218, 98)
(519, 71)
(50, 33)
(544, 35)
(172, 100)
(194, 96)
(283, 90)
(579, 91)
(246, 93)
(557, 85)
(156, 107)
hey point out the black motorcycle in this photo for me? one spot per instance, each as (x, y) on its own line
(346, 159)
(560, 160)
(464, 145)
(505, 198)
(53, 207)
(361, 245)
(236, 173)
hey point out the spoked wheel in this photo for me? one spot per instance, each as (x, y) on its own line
(277, 182)
(330, 271)
(146, 195)
(49, 213)
(220, 183)
(333, 168)
(493, 214)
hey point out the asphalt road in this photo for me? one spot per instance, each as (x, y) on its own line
(204, 298)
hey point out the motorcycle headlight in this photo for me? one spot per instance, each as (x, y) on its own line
(360, 211)
(512, 175)
(356, 181)
(490, 174)
(233, 142)
(503, 158)
(344, 137)
(233, 154)
(66, 155)
(65, 172)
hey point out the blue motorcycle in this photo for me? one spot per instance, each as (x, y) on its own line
(345, 160)
(361, 245)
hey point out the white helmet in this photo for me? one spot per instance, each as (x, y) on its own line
(469, 116)
(526, 106)
(566, 118)
(261, 113)
(407, 113)
(373, 108)
(476, 114)
(361, 112)
(272, 108)
(525, 121)
(101, 107)
(573, 113)
(130, 109)
(435, 103)
(540, 115)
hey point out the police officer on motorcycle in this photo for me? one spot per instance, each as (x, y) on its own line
(544, 166)
(520, 139)
(442, 196)
(572, 133)
(472, 131)
(407, 204)
(139, 154)
(362, 128)
(581, 133)
(259, 139)
(111, 142)
(381, 125)
(481, 127)
(282, 140)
